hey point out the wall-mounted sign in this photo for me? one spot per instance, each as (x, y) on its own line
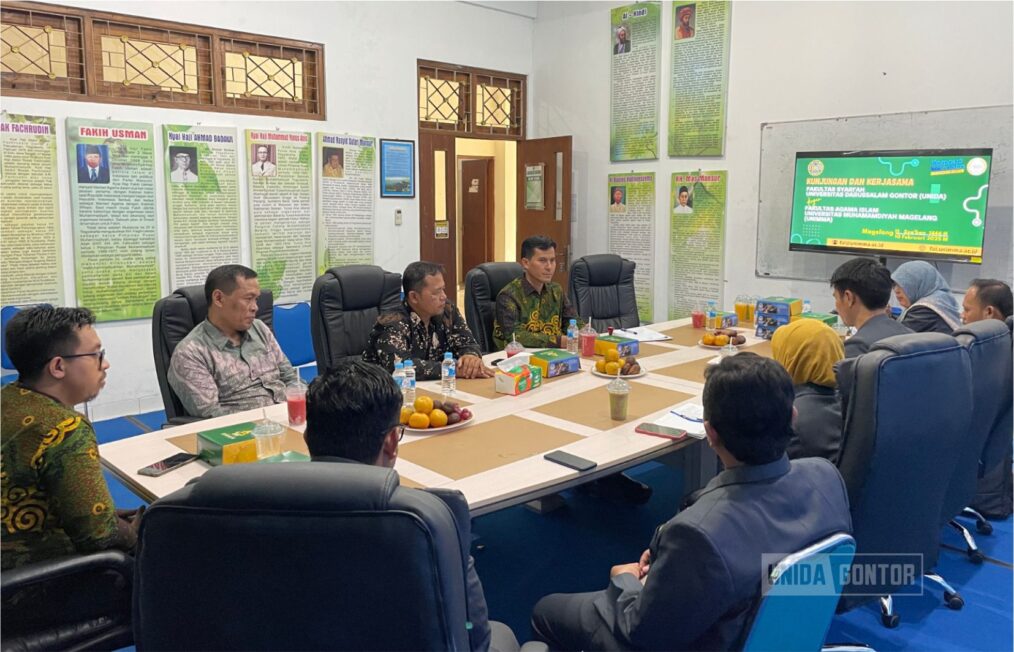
(534, 197)
(397, 168)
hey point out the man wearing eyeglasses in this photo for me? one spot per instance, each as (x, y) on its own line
(352, 418)
(54, 498)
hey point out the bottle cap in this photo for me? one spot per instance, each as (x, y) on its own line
(399, 365)
(408, 363)
(448, 355)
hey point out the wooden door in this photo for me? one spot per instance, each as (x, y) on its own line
(477, 219)
(432, 248)
(553, 218)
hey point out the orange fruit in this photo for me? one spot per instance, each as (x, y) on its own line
(600, 366)
(708, 339)
(612, 355)
(438, 419)
(721, 340)
(424, 404)
(612, 368)
(406, 414)
(418, 420)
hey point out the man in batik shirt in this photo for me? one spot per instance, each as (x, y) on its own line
(533, 308)
(55, 501)
(424, 328)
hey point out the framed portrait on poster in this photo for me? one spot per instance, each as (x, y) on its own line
(397, 168)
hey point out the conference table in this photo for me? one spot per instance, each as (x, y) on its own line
(497, 460)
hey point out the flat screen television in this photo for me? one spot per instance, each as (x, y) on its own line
(910, 203)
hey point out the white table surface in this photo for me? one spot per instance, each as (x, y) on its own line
(520, 481)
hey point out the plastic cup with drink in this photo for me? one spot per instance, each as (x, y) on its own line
(743, 308)
(619, 397)
(697, 315)
(295, 398)
(588, 337)
(514, 347)
(268, 437)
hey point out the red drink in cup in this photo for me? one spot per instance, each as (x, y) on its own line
(698, 318)
(295, 399)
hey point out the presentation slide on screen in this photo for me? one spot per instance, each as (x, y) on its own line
(920, 203)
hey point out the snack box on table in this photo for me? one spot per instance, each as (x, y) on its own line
(556, 362)
(830, 320)
(229, 445)
(622, 344)
(518, 380)
(768, 324)
(785, 306)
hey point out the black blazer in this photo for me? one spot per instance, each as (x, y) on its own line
(818, 428)
(874, 330)
(704, 582)
(84, 177)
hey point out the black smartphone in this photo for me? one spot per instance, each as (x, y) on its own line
(167, 465)
(570, 461)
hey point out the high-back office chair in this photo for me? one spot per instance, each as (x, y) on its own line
(172, 318)
(789, 620)
(602, 287)
(994, 496)
(292, 330)
(482, 284)
(78, 602)
(7, 372)
(907, 418)
(344, 306)
(301, 556)
(989, 350)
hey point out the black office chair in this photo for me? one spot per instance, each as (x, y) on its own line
(301, 556)
(907, 419)
(173, 317)
(989, 350)
(79, 602)
(994, 496)
(602, 287)
(482, 284)
(344, 306)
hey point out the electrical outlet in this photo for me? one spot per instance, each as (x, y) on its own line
(397, 217)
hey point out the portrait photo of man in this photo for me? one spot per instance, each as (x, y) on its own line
(263, 161)
(686, 21)
(184, 162)
(93, 164)
(617, 199)
(622, 44)
(684, 201)
(334, 163)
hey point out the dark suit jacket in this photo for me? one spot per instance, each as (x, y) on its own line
(818, 426)
(921, 319)
(704, 582)
(83, 176)
(621, 48)
(874, 330)
(479, 636)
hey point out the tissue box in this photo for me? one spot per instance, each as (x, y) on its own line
(724, 320)
(830, 320)
(556, 362)
(517, 380)
(779, 306)
(625, 346)
(229, 445)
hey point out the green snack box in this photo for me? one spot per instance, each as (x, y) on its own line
(229, 445)
(830, 320)
(555, 362)
(784, 306)
(624, 345)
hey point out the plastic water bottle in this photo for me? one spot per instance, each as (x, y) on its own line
(712, 321)
(807, 306)
(572, 337)
(408, 385)
(448, 375)
(399, 377)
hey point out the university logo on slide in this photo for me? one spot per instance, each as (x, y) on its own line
(815, 167)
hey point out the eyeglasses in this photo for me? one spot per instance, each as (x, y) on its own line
(101, 354)
(401, 431)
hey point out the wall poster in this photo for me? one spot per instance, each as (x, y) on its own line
(696, 240)
(632, 231)
(345, 229)
(635, 32)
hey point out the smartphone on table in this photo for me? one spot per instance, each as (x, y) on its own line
(662, 431)
(168, 464)
(570, 461)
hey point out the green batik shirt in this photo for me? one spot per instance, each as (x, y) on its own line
(538, 319)
(53, 498)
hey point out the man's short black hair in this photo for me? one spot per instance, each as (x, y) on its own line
(992, 292)
(683, 189)
(414, 277)
(224, 278)
(867, 279)
(534, 242)
(349, 411)
(38, 334)
(748, 400)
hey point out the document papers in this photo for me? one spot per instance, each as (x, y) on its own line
(641, 334)
(689, 417)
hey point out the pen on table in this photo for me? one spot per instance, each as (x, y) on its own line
(683, 416)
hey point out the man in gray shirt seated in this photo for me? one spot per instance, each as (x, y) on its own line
(231, 361)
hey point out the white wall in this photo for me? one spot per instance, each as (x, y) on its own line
(789, 61)
(370, 63)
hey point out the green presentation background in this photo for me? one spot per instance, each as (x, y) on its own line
(953, 218)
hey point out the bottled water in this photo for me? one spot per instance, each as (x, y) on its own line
(807, 306)
(399, 377)
(448, 375)
(572, 337)
(712, 321)
(408, 385)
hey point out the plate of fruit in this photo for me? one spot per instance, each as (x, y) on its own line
(722, 338)
(612, 365)
(428, 416)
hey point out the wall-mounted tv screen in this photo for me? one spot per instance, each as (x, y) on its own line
(909, 203)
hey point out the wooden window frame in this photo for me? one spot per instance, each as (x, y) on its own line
(466, 104)
(312, 84)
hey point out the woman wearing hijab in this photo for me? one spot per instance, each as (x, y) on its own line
(924, 294)
(809, 349)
